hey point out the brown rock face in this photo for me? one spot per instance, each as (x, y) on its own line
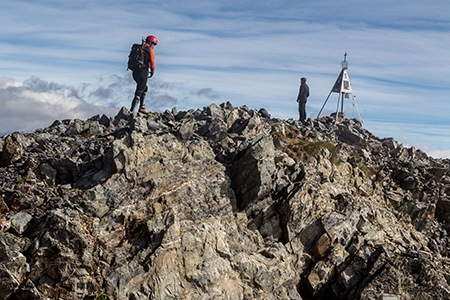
(11, 153)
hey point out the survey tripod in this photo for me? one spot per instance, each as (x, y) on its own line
(343, 87)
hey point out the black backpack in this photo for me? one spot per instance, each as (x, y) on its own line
(136, 57)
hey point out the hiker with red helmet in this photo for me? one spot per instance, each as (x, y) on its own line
(141, 73)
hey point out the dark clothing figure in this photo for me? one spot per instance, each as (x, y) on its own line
(141, 75)
(303, 95)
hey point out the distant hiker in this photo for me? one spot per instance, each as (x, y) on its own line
(141, 59)
(303, 94)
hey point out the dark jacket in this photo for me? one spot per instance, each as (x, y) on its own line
(303, 93)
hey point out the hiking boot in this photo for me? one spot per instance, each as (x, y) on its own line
(143, 110)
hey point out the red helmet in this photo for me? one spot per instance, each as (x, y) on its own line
(152, 39)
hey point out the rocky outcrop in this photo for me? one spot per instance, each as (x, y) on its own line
(220, 203)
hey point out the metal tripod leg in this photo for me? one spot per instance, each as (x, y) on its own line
(337, 110)
(325, 102)
(354, 101)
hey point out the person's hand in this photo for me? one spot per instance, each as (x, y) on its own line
(151, 74)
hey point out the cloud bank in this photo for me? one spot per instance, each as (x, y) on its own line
(36, 103)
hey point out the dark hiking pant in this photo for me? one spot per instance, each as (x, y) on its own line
(140, 77)
(302, 110)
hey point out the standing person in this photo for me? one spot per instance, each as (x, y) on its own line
(141, 75)
(303, 94)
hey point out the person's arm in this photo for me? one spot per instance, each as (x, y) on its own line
(152, 62)
(299, 94)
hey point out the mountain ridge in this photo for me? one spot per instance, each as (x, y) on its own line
(220, 203)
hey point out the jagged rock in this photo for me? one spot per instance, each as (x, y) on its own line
(93, 129)
(350, 135)
(139, 124)
(75, 127)
(220, 204)
(252, 176)
(105, 121)
(20, 221)
(28, 291)
(187, 130)
(12, 151)
(214, 111)
(122, 117)
(443, 210)
(12, 264)
(390, 143)
(321, 248)
(8, 284)
(48, 173)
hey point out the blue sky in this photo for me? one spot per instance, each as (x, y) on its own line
(67, 59)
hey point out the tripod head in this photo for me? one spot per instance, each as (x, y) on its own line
(344, 63)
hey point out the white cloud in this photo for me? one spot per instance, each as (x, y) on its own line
(439, 153)
(36, 103)
(8, 83)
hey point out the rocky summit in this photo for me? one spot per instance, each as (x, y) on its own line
(220, 203)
